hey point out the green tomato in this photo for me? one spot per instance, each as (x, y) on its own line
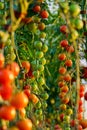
(68, 128)
(1, 5)
(38, 44)
(41, 81)
(45, 48)
(74, 10)
(39, 112)
(78, 24)
(44, 104)
(67, 119)
(43, 61)
(74, 35)
(69, 111)
(43, 35)
(39, 54)
(34, 87)
(32, 27)
(40, 67)
(38, 105)
(45, 96)
(52, 101)
(36, 73)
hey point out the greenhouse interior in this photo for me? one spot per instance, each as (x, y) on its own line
(43, 64)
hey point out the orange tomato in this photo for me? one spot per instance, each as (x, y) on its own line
(34, 98)
(26, 65)
(1, 60)
(19, 100)
(7, 112)
(24, 124)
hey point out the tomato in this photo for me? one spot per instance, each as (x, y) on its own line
(52, 101)
(62, 94)
(14, 67)
(6, 91)
(80, 102)
(65, 100)
(74, 35)
(38, 44)
(82, 88)
(26, 65)
(27, 92)
(24, 124)
(67, 77)
(32, 27)
(63, 106)
(78, 23)
(41, 26)
(19, 100)
(61, 56)
(63, 29)
(81, 94)
(65, 89)
(30, 73)
(74, 9)
(41, 81)
(44, 14)
(27, 20)
(1, 5)
(61, 116)
(22, 112)
(62, 70)
(61, 84)
(13, 128)
(7, 112)
(43, 35)
(57, 127)
(40, 67)
(70, 49)
(36, 8)
(1, 60)
(67, 118)
(6, 76)
(69, 111)
(80, 109)
(45, 48)
(83, 123)
(68, 63)
(72, 123)
(85, 96)
(64, 43)
(43, 61)
(34, 98)
(79, 116)
(79, 127)
(39, 54)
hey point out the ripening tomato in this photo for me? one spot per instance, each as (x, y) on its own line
(67, 77)
(68, 63)
(22, 112)
(61, 84)
(24, 124)
(63, 29)
(64, 89)
(63, 106)
(70, 49)
(6, 76)
(7, 112)
(34, 98)
(6, 91)
(26, 65)
(19, 100)
(65, 100)
(62, 56)
(79, 127)
(62, 94)
(41, 26)
(64, 43)
(62, 70)
(1, 60)
(14, 67)
(36, 8)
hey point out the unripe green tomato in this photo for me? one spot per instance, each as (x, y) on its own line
(43, 61)
(74, 35)
(39, 112)
(74, 9)
(43, 35)
(64, 5)
(36, 19)
(44, 104)
(45, 96)
(41, 81)
(52, 101)
(67, 119)
(32, 27)
(36, 73)
(34, 63)
(78, 23)
(1, 5)
(34, 87)
(40, 67)
(38, 44)
(68, 128)
(38, 105)
(39, 54)
(45, 48)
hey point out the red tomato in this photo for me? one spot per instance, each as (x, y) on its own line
(14, 67)
(72, 123)
(24, 124)
(61, 84)
(79, 127)
(36, 8)
(65, 89)
(81, 94)
(79, 116)
(19, 100)
(70, 49)
(6, 76)
(44, 14)
(7, 112)
(63, 29)
(26, 65)
(82, 88)
(62, 116)
(1, 60)
(80, 102)
(6, 91)
(27, 92)
(80, 109)
(64, 43)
